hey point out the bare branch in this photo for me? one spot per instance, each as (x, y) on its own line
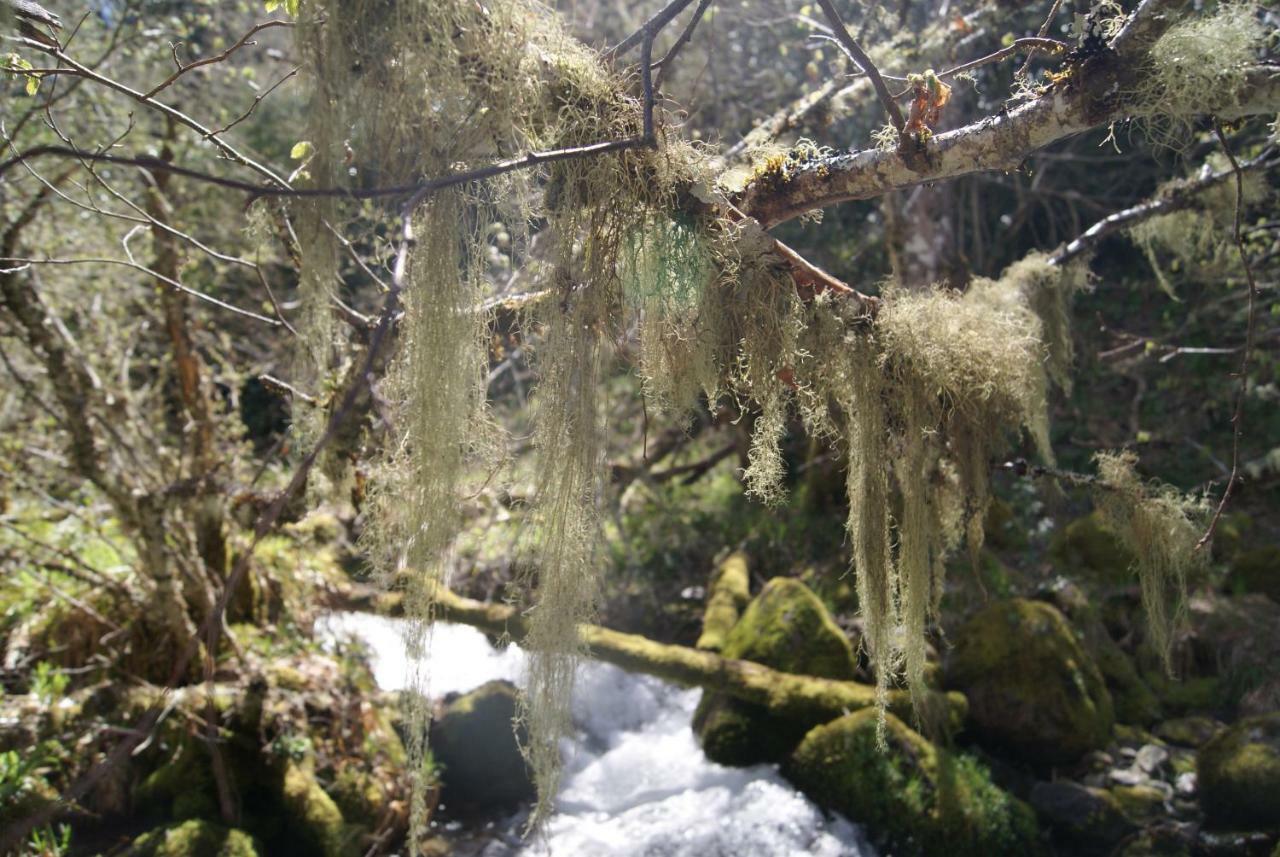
(1237, 418)
(216, 58)
(860, 58)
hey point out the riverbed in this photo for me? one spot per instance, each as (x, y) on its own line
(636, 783)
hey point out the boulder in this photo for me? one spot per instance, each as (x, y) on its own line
(193, 838)
(1238, 773)
(1086, 546)
(475, 745)
(787, 628)
(914, 798)
(1082, 816)
(1032, 689)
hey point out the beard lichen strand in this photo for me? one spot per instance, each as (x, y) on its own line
(1206, 53)
(569, 439)
(1160, 527)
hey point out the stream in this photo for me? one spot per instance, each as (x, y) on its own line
(636, 783)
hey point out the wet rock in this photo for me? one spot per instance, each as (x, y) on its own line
(1239, 774)
(1151, 758)
(1080, 814)
(475, 744)
(914, 798)
(787, 628)
(1186, 784)
(193, 838)
(1032, 689)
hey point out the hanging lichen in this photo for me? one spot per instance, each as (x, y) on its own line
(1208, 53)
(1197, 236)
(1161, 527)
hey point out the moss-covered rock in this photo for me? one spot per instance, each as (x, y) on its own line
(1193, 731)
(313, 819)
(194, 838)
(1257, 570)
(1133, 699)
(1239, 774)
(475, 745)
(1087, 546)
(1032, 689)
(181, 788)
(787, 628)
(1141, 803)
(1080, 815)
(913, 797)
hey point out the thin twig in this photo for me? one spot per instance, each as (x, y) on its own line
(1237, 418)
(681, 41)
(216, 58)
(257, 191)
(860, 58)
(174, 284)
(1044, 31)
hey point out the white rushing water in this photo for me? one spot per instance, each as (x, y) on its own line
(636, 783)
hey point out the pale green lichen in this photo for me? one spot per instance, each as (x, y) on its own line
(1161, 527)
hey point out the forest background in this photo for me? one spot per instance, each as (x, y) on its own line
(216, 425)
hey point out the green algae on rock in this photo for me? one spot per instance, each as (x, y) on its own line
(788, 628)
(1032, 689)
(1239, 774)
(194, 838)
(914, 798)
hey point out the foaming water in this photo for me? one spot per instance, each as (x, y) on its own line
(636, 783)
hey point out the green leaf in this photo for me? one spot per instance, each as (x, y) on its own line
(33, 84)
(300, 150)
(291, 7)
(272, 5)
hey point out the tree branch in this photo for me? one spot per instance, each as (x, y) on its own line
(998, 142)
(859, 56)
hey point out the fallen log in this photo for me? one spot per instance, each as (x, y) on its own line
(801, 698)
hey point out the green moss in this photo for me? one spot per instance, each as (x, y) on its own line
(181, 788)
(194, 839)
(1239, 774)
(730, 591)
(1188, 695)
(1257, 570)
(1191, 731)
(1087, 546)
(313, 818)
(913, 797)
(787, 628)
(1032, 689)
(1140, 803)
